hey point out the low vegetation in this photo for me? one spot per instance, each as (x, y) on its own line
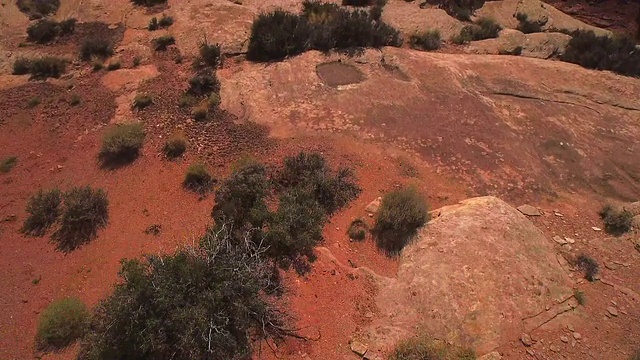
(616, 221)
(527, 26)
(279, 34)
(44, 67)
(357, 2)
(175, 146)
(164, 22)
(400, 215)
(580, 297)
(198, 179)
(617, 53)
(85, 211)
(429, 40)
(484, 28)
(37, 9)
(43, 211)
(114, 65)
(33, 102)
(62, 323)
(203, 84)
(357, 230)
(149, 2)
(141, 101)
(210, 54)
(422, 347)
(8, 163)
(587, 265)
(121, 144)
(163, 42)
(96, 47)
(46, 30)
(74, 100)
(461, 9)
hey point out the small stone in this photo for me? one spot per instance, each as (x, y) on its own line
(558, 214)
(358, 348)
(373, 206)
(613, 311)
(554, 348)
(564, 339)
(529, 210)
(577, 336)
(559, 240)
(526, 340)
(610, 265)
(567, 247)
(569, 240)
(530, 352)
(570, 327)
(595, 228)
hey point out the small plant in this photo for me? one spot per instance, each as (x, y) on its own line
(37, 9)
(461, 9)
(21, 66)
(616, 53)
(200, 112)
(47, 30)
(526, 26)
(8, 163)
(136, 61)
(33, 102)
(153, 229)
(122, 143)
(96, 47)
(36, 281)
(74, 100)
(580, 297)
(587, 265)
(165, 21)
(149, 2)
(422, 347)
(175, 146)
(62, 323)
(187, 100)
(616, 222)
(114, 65)
(357, 2)
(429, 40)
(97, 64)
(358, 230)
(43, 209)
(198, 179)
(204, 83)
(210, 54)
(162, 43)
(153, 24)
(85, 211)
(141, 101)
(44, 67)
(401, 213)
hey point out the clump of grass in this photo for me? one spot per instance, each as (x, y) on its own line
(163, 42)
(44, 67)
(527, 26)
(141, 101)
(358, 230)
(62, 323)
(136, 61)
(429, 40)
(587, 265)
(43, 210)
(21, 66)
(198, 179)
(484, 28)
(37, 9)
(114, 65)
(96, 47)
(187, 100)
(8, 163)
(47, 30)
(85, 211)
(616, 222)
(164, 22)
(210, 54)
(175, 146)
(122, 143)
(153, 229)
(580, 297)
(33, 102)
(74, 100)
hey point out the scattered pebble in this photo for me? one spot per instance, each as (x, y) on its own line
(564, 339)
(577, 336)
(613, 311)
(526, 340)
(569, 240)
(596, 228)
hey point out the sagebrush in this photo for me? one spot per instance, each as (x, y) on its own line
(401, 213)
(61, 323)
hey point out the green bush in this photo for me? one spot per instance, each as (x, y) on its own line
(141, 101)
(153, 24)
(122, 143)
(47, 30)
(205, 302)
(37, 9)
(618, 54)
(8, 163)
(98, 47)
(277, 35)
(204, 83)
(210, 54)
(526, 26)
(484, 28)
(616, 222)
(429, 40)
(357, 230)
(422, 347)
(62, 323)
(461, 9)
(401, 213)
(136, 61)
(198, 179)
(587, 265)
(162, 43)
(85, 211)
(43, 210)
(21, 66)
(165, 21)
(74, 100)
(175, 146)
(44, 67)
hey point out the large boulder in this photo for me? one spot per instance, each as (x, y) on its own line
(478, 275)
(513, 42)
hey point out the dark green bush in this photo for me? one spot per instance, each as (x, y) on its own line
(429, 40)
(165, 21)
(37, 9)
(122, 143)
(618, 54)
(277, 35)
(484, 28)
(8, 163)
(205, 302)
(44, 67)
(96, 47)
(33, 102)
(616, 222)
(43, 210)
(204, 83)
(462, 9)
(587, 265)
(357, 2)
(527, 26)
(401, 213)
(141, 101)
(47, 30)
(175, 146)
(161, 43)
(114, 65)
(210, 54)
(198, 179)
(75, 100)
(153, 24)
(357, 230)
(85, 211)
(149, 2)
(422, 347)
(21, 66)
(62, 323)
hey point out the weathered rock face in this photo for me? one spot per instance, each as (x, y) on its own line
(478, 275)
(513, 42)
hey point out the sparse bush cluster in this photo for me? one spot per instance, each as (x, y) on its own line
(461, 9)
(47, 30)
(209, 55)
(141, 101)
(617, 53)
(527, 26)
(37, 9)
(62, 323)
(163, 42)
(484, 28)
(96, 47)
(616, 221)
(358, 230)
(429, 40)
(322, 26)
(164, 22)
(121, 144)
(401, 213)
(80, 212)
(44, 67)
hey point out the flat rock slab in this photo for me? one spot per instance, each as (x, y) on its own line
(529, 210)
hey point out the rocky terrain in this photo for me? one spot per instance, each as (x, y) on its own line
(478, 131)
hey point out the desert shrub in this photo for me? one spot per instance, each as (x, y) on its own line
(353, 29)
(8, 163)
(461, 9)
(485, 28)
(149, 2)
(401, 213)
(38, 8)
(580, 297)
(187, 100)
(200, 112)
(587, 265)
(203, 302)
(175, 146)
(44, 67)
(210, 54)
(422, 347)
(429, 40)
(97, 64)
(204, 83)
(85, 211)
(310, 171)
(357, 230)
(198, 179)
(527, 26)
(33, 102)
(161, 43)
(277, 35)
(62, 323)
(153, 24)
(114, 65)
(47, 30)
(375, 13)
(136, 61)
(318, 12)
(616, 222)
(21, 66)
(618, 54)
(122, 143)
(141, 101)
(165, 21)
(357, 2)
(43, 210)
(98, 47)
(75, 100)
